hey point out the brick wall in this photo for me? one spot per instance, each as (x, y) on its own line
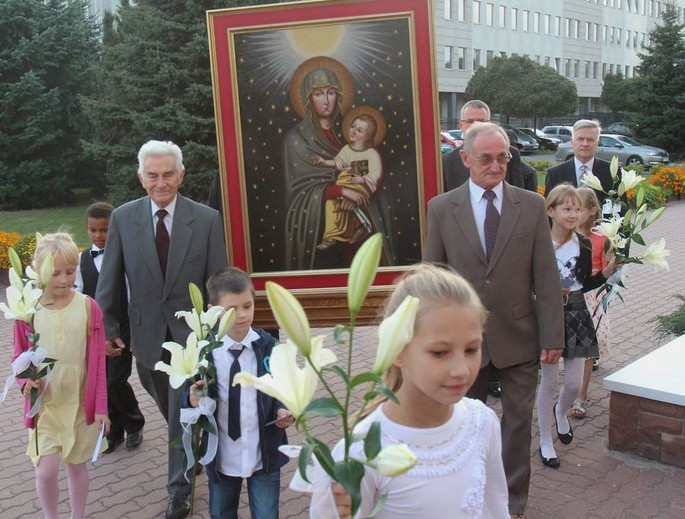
(652, 429)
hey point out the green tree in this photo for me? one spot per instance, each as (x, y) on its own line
(660, 92)
(46, 52)
(619, 93)
(154, 82)
(517, 86)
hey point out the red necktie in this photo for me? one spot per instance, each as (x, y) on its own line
(162, 240)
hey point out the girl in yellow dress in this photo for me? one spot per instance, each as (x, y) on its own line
(74, 401)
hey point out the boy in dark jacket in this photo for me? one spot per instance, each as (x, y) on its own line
(251, 424)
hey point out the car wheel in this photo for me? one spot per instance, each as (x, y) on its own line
(634, 160)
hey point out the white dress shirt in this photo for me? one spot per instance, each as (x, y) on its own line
(479, 205)
(579, 171)
(78, 283)
(242, 457)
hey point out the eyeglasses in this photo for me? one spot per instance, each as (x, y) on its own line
(471, 121)
(486, 160)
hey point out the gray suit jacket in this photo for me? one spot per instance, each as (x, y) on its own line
(196, 250)
(519, 286)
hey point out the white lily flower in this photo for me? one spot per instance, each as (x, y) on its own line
(629, 179)
(15, 280)
(362, 271)
(31, 274)
(321, 356)
(201, 323)
(21, 304)
(287, 382)
(592, 181)
(656, 254)
(613, 168)
(394, 333)
(394, 460)
(290, 316)
(611, 230)
(185, 360)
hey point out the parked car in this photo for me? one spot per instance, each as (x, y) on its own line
(619, 128)
(525, 143)
(446, 138)
(457, 135)
(444, 148)
(546, 142)
(628, 151)
(563, 133)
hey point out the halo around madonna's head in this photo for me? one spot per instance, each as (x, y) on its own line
(330, 67)
(355, 112)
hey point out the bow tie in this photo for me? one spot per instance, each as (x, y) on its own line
(95, 253)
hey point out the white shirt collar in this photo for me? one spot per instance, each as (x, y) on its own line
(246, 341)
(169, 208)
(477, 192)
(589, 164)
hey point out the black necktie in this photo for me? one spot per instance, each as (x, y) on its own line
(95, 253)
(491, 223)
(234, 397)
(162, 240)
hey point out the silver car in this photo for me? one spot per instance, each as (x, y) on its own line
(627, 149)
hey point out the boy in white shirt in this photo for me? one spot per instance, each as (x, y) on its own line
(248, 439)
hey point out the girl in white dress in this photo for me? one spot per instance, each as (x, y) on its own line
(459, 472)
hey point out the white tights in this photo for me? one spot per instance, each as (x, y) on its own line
(549, 379)
(47, 487)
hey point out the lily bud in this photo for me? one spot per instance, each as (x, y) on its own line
(196, 298)
(362, 271)
(47, 267)
(394, 333)
(613, 168)
(394, 460)
(15, 261)
(226, 322)
(290, 316)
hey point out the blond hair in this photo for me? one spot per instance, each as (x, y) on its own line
(435, 287)
(589, 201)
(55, 244)
(561, 194)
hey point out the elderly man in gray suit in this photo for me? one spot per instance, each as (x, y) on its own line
(497, 236)
(160, 243)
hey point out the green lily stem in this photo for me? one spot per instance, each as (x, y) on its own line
(348, 391)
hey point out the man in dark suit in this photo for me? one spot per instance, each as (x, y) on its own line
(160, 243)
(454, 172)
(512, 266)
(585, 140)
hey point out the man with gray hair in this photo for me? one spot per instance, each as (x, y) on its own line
(497, 236)
(160, 243)
(454, 172)
(585, 140)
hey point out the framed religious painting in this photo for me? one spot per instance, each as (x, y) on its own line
(327, 128)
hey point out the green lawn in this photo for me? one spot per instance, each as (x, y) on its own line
(70, 219)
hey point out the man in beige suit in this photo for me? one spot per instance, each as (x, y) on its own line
(514, 271)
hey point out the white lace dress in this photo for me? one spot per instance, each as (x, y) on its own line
(459, 473)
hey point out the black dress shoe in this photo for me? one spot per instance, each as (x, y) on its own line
(134, 439)
(113, 443)
(495, 388)
(552, 463)
(565, 438)
(179, 507)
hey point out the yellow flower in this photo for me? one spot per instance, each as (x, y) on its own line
(394, 333)
(287, 382)
(394, 460)
(362, 271)
(185, 360)
(656, 254)
(290, 316)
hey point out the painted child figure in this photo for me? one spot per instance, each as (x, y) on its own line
(124, 411)
(248, 440)
(74, 401)
(574, 258)
(361, 170)
(457, 440)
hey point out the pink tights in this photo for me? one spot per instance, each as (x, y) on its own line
(47, 487)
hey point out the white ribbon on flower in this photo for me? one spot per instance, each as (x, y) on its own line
(34, 356)
(190, 416)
